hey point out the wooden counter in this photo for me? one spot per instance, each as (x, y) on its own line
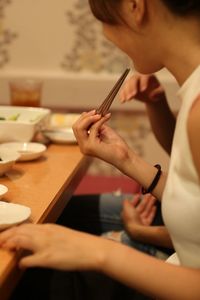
(45, 185)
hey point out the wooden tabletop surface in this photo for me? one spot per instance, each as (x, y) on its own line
(45, 185)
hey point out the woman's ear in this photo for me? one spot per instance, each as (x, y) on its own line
(138, 10)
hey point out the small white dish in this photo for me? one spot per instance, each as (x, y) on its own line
(26, 151)
(3, 190)
(12, 214)
(8, 157)
(60, 135)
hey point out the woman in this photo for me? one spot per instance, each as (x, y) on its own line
(155, 34)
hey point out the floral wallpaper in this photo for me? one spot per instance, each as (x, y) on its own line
(6, 36)
(90, 50)
(60, 35)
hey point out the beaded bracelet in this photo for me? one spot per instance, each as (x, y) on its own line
(154, 182)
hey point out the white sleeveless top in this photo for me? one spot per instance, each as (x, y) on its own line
(181, 197)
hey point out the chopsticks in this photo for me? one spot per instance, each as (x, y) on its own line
(104, 107)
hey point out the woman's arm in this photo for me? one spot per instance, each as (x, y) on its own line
(151, 276)
(97, 139)
(57, 247)
(154, 235)
(147, 89)
(138, 169)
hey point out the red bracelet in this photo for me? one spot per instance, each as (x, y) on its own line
(154, 182)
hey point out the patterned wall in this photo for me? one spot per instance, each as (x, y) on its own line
(90, 50)
(54, 35)
(6, 36)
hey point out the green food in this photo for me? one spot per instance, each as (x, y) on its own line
(14, 117)
(11, 118)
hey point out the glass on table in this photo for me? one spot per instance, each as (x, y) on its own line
(25, 92)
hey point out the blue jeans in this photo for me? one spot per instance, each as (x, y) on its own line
(98, 214)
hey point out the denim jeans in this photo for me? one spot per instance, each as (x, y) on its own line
(98, 214)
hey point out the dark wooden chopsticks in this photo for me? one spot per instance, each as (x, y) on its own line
(104, 107)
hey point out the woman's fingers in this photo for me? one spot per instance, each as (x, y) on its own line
(144, 83)
(149, 203)
(22, 236)
(144, 88)
(130, 89)
(136, 199)
(149, 219)
(95, 129)
(149, 210)
(128, 211)
(146, 202)
(142, 204)
(18, 241)
(85, 119)
(19, 238)
(5, 235)
(88, 132)
(89, 122)
(82, 125)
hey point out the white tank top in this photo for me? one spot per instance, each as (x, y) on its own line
(181, 197)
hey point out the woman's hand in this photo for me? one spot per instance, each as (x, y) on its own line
(138, 212)
(145, 88)
(97, 139)
(54, 246)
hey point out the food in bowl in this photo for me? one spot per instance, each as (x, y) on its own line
(20, 124)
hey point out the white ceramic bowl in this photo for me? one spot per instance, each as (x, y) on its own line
(7, 160)
(20, 124)
(27, 151)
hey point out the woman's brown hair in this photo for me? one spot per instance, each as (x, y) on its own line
(106, 11)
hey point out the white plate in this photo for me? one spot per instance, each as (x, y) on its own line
(8, 157)
(60, 135)
(12, 214)
(3, 190)
(27, 151)
(63, 120)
